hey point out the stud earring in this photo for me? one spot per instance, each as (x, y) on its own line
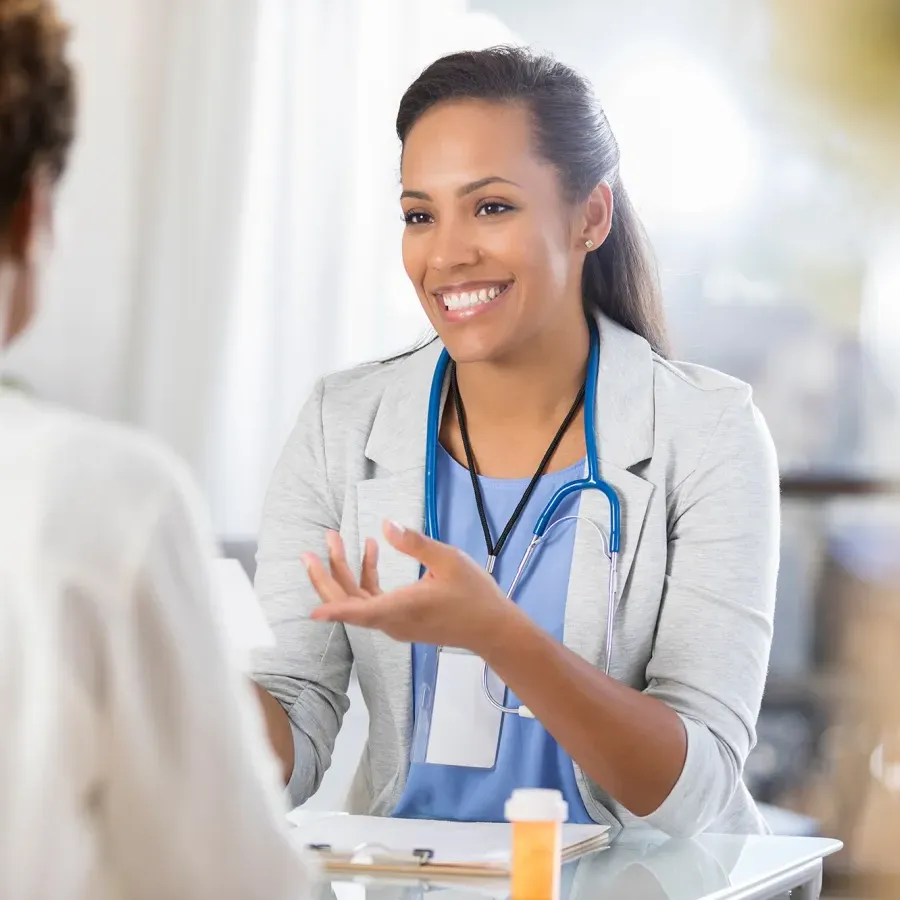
(589, 244)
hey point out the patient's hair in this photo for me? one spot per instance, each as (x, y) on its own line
(37, 97)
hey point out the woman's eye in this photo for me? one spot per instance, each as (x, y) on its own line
(493, 208)
(416, 218)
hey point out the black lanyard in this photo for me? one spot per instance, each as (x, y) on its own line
(493, 550)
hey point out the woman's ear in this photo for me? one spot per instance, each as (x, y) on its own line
(598, 213)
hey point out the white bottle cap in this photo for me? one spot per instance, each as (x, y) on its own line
(536, 805)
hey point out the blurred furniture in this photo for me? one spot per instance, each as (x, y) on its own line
(785, 823)
(828, 748)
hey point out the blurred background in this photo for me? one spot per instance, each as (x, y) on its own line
(229, 231)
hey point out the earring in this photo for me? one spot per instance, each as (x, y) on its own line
(589, 244)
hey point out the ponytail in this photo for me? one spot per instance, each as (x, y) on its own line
(620, 278)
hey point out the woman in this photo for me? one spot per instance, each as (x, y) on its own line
(133, 762)
(519, 241)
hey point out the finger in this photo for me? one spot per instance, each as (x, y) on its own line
(337, 559)
(328, 589)
(373, 612)
(435, 556)
(369, 579)
(350, 611)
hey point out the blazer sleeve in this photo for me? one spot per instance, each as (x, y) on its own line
(308, 671)
(711, 652)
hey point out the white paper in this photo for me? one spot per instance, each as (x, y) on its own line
(452, 842)
(238, 609)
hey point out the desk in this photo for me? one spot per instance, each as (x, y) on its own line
(711, 867)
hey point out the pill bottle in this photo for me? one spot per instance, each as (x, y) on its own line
(537, 816)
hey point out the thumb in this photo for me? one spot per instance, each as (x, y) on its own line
(434, 555)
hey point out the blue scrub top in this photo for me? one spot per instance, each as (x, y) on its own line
(527, 755)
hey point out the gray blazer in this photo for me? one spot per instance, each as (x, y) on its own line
(695, 470)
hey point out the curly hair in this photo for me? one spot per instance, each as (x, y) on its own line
(37, 96)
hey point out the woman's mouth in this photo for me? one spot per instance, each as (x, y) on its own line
(470, 300)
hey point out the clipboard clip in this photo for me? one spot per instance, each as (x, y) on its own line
(372, 854)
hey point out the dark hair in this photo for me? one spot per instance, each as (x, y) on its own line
(37, 96)
(573, 134)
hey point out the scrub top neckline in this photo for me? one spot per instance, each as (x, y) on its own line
(576, 470)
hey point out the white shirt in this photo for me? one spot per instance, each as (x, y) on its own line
(132, 757)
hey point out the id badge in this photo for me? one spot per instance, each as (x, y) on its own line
(464, 726)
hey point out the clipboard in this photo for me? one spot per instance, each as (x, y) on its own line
(422, 849)
(378, 860)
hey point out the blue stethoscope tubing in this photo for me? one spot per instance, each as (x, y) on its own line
(592, 481)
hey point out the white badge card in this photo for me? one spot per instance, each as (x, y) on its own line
(465, 725)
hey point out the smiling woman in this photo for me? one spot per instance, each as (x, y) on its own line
(638, 703)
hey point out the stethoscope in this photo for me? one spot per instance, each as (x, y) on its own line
(544, 525)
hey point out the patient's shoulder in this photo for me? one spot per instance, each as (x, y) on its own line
(115, 464)
(99, 488)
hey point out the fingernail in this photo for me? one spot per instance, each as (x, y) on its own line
(396, 527)
(307, 560)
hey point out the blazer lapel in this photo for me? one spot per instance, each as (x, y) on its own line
(625, 429)
(401, 498)
(586, 603)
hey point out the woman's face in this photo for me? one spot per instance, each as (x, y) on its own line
(491, 247)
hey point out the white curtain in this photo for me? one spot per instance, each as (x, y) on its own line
(197, 77)
(271, 251)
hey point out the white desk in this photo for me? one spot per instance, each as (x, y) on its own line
(712, 867)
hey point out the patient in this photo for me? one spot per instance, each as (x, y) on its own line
(132, 758)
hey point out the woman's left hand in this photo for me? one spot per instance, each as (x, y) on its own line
(455, 604)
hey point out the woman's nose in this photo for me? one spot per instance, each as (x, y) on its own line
(452, 246)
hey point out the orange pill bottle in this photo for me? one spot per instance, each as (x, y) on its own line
(537, 817)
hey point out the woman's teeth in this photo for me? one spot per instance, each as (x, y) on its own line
(467, 299)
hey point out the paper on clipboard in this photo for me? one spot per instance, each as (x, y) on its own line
(466, 849)
(238, 609)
